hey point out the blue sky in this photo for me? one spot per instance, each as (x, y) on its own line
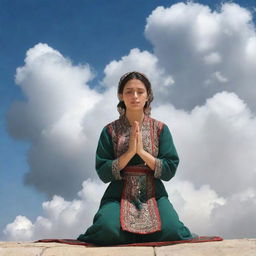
(94, 32)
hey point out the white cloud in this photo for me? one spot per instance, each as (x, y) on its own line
(216, 142)
(212, 58)
(64, 219)
(198, 46)
(142, 61)
(237, 217)
(57, 99)
(194, 206)
(220, 77)
(21, 229)
(61, 218)
(194, 66)
(214, 178)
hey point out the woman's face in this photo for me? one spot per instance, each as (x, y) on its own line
(134, 95)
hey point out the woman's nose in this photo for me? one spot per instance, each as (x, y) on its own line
(135, 94)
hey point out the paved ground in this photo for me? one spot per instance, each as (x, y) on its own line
(235, 247)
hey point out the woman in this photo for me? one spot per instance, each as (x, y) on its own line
(134, 154)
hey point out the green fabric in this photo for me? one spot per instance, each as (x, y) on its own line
(105, 156)
(106, 229)
(106, 224)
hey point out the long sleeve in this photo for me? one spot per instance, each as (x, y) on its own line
(106, 164)
(167, 160)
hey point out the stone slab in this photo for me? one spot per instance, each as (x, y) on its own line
(21, 251)
(100, 251)
(30, 244)
(235, 247)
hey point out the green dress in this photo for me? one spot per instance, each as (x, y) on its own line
(113, 142)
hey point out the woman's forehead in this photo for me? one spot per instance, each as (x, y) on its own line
(134, 84)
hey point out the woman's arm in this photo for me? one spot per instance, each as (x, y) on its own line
(106, 164)
(107, 167)
(166, 163)
(167, 160)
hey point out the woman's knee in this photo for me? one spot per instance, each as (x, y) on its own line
(172, 227)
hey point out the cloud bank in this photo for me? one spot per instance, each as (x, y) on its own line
(61, 218)
(205, 51)
(203, 73)
(57, 99)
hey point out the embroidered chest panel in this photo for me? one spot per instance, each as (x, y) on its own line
(120, 133)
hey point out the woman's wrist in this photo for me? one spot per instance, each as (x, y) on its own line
(148, 159)
(125, 158)
(130, 153)
(141, 152)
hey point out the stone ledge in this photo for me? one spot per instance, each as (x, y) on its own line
(234, 247)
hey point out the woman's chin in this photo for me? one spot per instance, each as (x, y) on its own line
(135, 109)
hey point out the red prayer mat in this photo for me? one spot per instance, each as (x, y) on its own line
(199, 239)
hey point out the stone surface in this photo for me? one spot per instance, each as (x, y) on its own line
(21, 251)
(235, 247)
(102, 251)
(57, 249)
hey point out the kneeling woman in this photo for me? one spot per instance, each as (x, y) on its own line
(134, 153)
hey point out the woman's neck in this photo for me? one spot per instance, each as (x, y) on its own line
(135, 116)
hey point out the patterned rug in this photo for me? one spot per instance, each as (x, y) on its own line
(199, 239)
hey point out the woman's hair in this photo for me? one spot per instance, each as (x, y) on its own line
(123, 80)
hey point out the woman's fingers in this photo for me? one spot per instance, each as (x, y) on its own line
(133, 138)
(137, 127)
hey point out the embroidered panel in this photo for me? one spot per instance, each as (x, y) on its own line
(116, 170)
(139, 212)
(158, 168)
(120, 132)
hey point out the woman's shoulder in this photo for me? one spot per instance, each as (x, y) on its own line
(111, 126)
(114, 123)
(157, 123)
(163, 129)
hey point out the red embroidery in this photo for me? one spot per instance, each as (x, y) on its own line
(139, 212)
(120, 133)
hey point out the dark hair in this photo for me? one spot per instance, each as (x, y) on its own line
(122, 82)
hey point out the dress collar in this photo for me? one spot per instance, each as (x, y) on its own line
(125, 120)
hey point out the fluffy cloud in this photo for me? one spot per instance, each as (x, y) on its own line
(60, 218)
(51, 119)
(203, 94)
(20, 229)
(202, 210)
(64, 219)
(236, 217)
(58, 116)
(216, 142)
(144, 62)
(208, 187)
(205, 51)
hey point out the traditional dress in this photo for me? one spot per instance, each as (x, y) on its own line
(135, 206)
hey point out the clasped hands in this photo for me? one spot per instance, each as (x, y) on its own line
(135, 143)
(136, 147)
